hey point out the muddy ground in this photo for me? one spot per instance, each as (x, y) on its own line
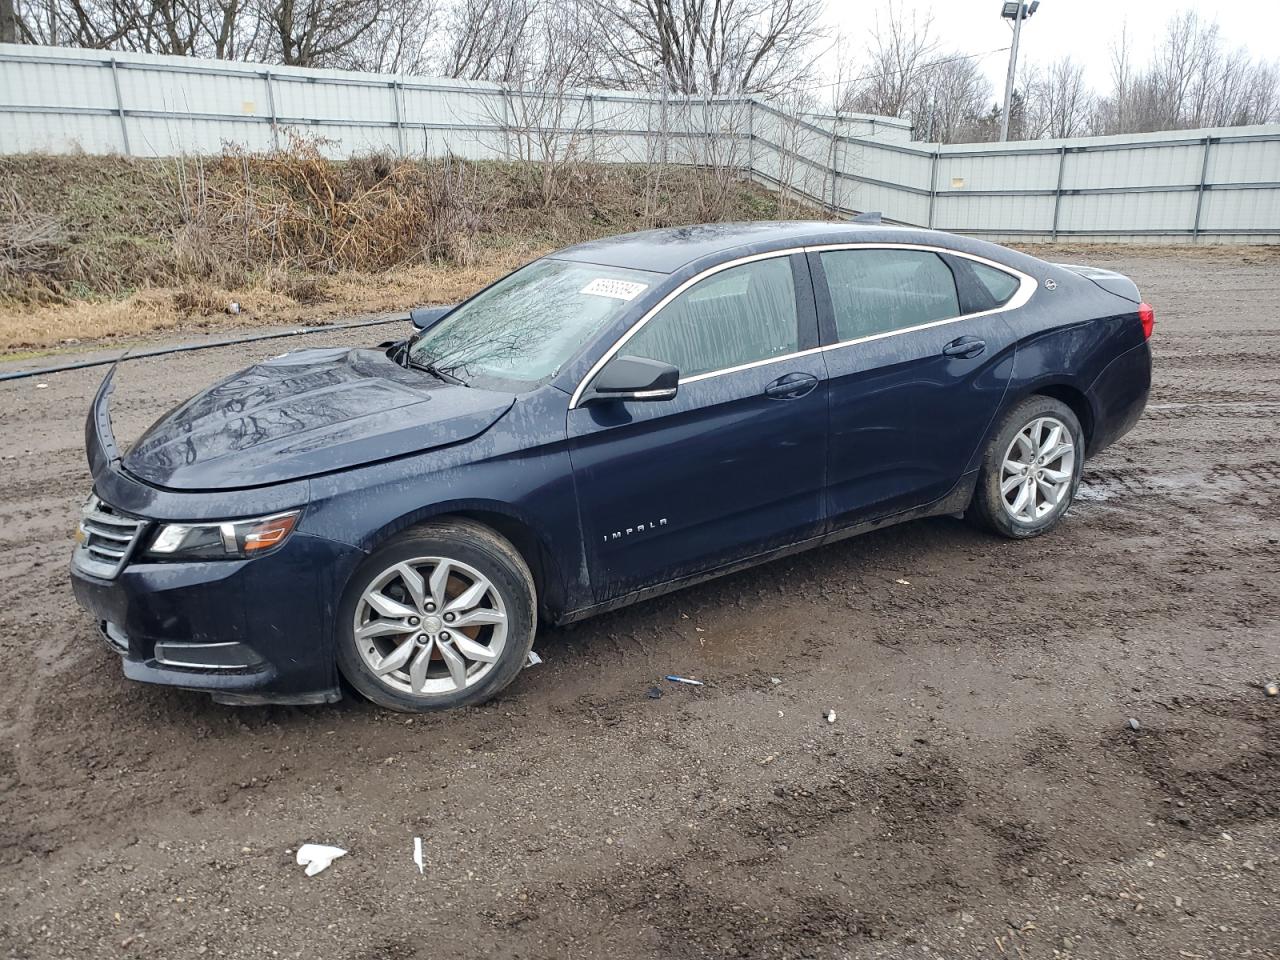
(979, 795)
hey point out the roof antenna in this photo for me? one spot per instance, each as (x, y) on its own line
(871, 216)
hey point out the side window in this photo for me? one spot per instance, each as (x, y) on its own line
(981, 287)
(878, 291)
(736, 316)
(1000, 285)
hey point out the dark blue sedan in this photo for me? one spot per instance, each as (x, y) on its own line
(606, 424)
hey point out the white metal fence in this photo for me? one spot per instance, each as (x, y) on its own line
(1209, 185)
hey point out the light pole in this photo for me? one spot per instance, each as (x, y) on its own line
(1016, 11)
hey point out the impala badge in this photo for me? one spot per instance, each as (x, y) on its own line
(631, 531)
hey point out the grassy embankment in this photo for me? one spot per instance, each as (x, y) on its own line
(107, 247)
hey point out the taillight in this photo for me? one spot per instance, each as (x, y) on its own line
(1147, 314)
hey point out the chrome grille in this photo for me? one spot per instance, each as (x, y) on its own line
(105, 539)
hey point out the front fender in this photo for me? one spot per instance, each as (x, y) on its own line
(518, 470)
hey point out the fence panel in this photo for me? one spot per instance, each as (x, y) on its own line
(1200, 185)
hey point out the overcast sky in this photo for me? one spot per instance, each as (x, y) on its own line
(1082, 28)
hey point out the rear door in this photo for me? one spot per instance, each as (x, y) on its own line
(734, 465)
(919, 357)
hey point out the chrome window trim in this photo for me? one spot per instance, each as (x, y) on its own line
(1027, 286)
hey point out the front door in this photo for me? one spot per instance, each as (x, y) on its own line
(734, 465)
(920, 360)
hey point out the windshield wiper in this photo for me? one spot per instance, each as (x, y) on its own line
(431, 368)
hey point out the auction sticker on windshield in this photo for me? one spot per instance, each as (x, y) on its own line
(618, 289)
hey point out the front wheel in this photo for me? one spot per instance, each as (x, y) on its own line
(1030, 470)
(442, 616)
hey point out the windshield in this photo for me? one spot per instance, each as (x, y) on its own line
(526, 326)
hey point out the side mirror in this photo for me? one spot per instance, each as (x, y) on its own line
(634, 378)
(423, 317)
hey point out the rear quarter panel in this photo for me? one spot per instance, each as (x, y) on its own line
(1068, 336)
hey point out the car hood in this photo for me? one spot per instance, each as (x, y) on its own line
(304, 414)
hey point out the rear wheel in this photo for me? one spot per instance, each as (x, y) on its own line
(442, 616)
(1030, 470)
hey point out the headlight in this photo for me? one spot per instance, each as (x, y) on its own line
(233, 539)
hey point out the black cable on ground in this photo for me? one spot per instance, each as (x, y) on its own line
(187, 347)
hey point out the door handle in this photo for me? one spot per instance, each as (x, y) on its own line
(791, 386)
(966, 347)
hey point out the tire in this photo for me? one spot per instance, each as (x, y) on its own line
(442, 616)
(1006, 506)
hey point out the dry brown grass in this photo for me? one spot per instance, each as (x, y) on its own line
(203, 306)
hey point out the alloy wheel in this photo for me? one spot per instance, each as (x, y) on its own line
(1037, 471)
(430, 626)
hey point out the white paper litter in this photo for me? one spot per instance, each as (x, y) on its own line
(617, 289)
(417, 853)
(533, 660)
(317, 856)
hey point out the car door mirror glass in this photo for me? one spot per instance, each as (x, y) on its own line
(631, 378)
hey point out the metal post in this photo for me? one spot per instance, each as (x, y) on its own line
(395, 100)
(835, 169)
(591, 128)
(1057, 193)
(933, 182)
(271, 106)
(1013, 66)
(506, 124)
(124, 127)
(1204, 173)
(666, 131)
(751, 137)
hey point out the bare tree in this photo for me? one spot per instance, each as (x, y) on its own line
(8, 22)
(317, 33)
(546, 123)
(803, 168)
(953, 99)
(708, 47)
(489, 39)
(97, 23)
(1193, 81)
(1058, 102)
(399, 41)
(897, 60)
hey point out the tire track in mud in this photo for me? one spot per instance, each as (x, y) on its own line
(892, 838)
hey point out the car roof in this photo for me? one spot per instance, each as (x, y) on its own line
(667, 250)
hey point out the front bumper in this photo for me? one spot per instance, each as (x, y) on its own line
(246, 631)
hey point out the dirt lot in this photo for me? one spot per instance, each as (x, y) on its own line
(979, 794)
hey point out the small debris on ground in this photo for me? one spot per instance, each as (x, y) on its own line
(831, 716)
(905, 583)
(533, 660)
(233, 308)
(42, 386)
(653, 693)
(317, 856)
(1272, 689)
(675, 679)
(775, 680)
(1134, 724)
(417, 853)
